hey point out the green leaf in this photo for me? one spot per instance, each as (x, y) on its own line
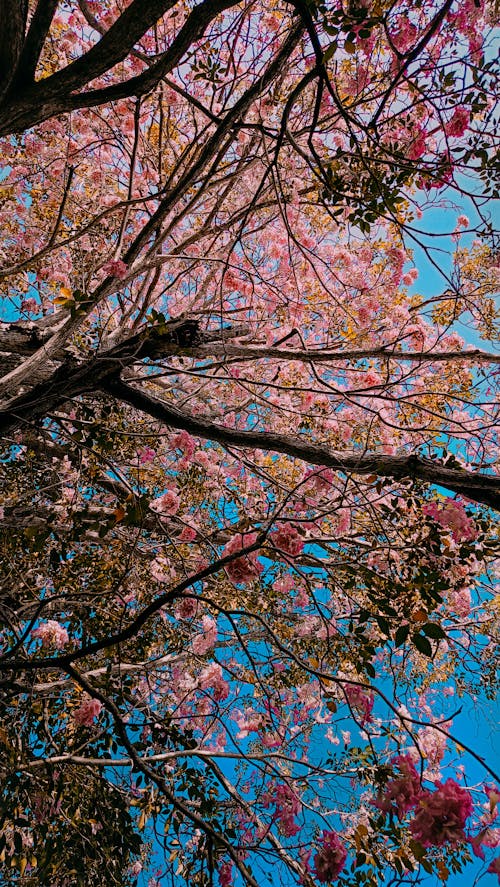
(433, 630)
(384, 626)
(401, 635)
(330, 51)
(422, 644)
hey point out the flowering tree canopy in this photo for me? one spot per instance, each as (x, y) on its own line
(249, 461)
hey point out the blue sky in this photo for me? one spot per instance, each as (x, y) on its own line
(479, 722)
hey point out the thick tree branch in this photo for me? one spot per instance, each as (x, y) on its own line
(33, 44)
(12, 27)
(320, 355)
(71, 378)
(113, 47)
(57, 94)
(481, 488)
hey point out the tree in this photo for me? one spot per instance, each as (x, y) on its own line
(249, 474)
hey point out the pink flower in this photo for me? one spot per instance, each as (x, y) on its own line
(146, 455)
(458, 123)
(459, 601)
(242, 569)
(402, 793)
(418, 144)
(361, 700)
(186, 608)
(169, 503)
(116, 268)
(226, 874)
(204, 642)
(31, 306)
(405, 36)
(183, 441)
(160, 569)
(330, 859)
(440, 816)
(211, 679)
(322, 479)
(51, 634)
(494, 867)
(493, 795)
(490, 838)
(410, 277)
(248, 721)
(287, 539)
(452, 515)
(187, 535)
(89, 709)
(463, 222)
(287, 806)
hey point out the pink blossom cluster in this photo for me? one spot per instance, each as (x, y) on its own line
(248, 721)
(330, 858)
(205, 641)
(88, 710)
(169, 503)
(226, 874)
(287, 807)
(211, 678)
(361, 700)
(451, 514)
(409, 277)
(146, 455)
(287, 539)
(458, 123)
(320, 478)
(467, 20)
(242, 569)
(30, 305)
(401, 794)
(405, 36)
(184, 442)
(51, 634)
(432, 747)
(494, 867)
(397, 258)
(441, 815)
(116, 268)
(186, 608)
(459, 601)
(160, 569)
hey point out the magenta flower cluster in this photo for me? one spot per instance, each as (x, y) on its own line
(440, 815)
(330, 858)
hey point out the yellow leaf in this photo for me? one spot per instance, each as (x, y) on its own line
(119, 513)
